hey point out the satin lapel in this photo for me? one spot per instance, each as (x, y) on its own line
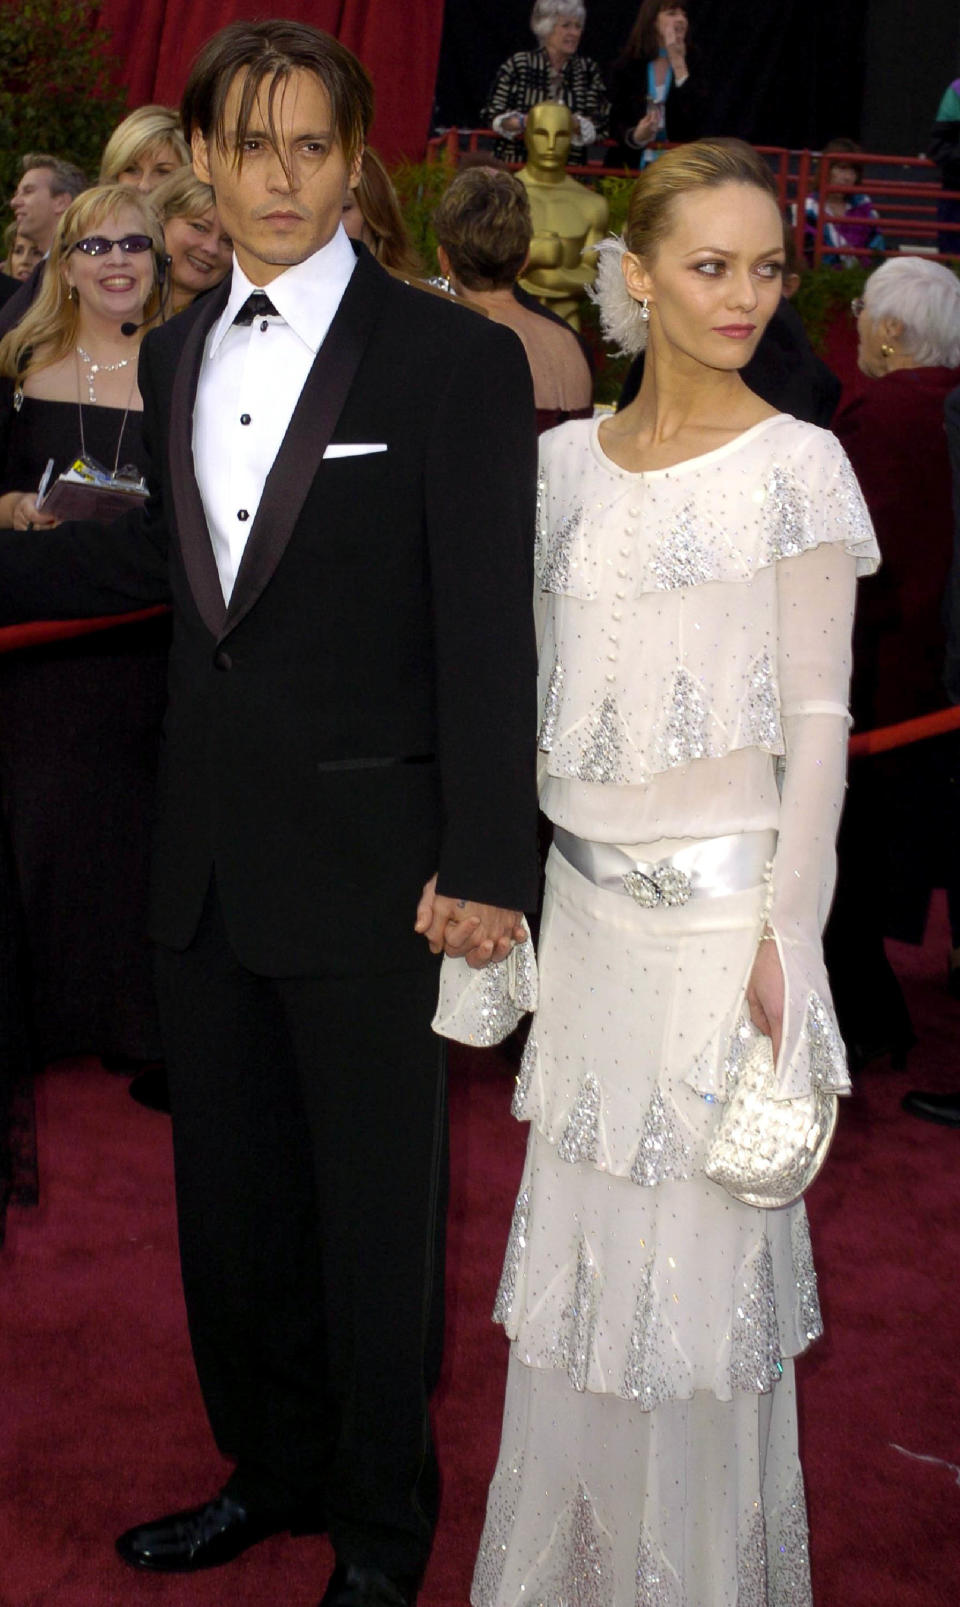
(308, 435)
(194, 537)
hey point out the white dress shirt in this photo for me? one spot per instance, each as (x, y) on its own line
(250, 382)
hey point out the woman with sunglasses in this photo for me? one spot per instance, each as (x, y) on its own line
(80, 719)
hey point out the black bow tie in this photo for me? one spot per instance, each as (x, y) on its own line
(257, 305)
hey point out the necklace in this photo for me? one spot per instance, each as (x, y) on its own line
(126, 412)
(93, 369)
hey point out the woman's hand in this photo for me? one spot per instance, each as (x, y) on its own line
(765, 994)
(26, 514)
(646, 129)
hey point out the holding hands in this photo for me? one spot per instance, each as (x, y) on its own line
(462, 929)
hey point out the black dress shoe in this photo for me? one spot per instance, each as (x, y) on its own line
(200, 1537)
(354, 1586)
(942, 1108)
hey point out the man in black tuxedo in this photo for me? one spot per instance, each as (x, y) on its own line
(341, 513)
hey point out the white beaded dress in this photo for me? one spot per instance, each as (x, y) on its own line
(694, 627)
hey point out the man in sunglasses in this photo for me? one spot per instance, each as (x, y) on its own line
(341, 513)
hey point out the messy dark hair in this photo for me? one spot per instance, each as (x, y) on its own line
(267, 53)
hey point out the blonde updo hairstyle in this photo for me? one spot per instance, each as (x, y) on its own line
(144, 133)
(182, 195)
(48, 331)
(701, 165)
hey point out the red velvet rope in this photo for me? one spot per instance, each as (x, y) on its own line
(882, 740)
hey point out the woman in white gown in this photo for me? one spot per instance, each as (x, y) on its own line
(696, 576)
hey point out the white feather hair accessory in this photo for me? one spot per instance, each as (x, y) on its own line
(621, 320)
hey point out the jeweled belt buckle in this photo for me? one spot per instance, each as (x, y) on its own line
(664, 884)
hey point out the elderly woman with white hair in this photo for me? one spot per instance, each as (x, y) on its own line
(553, 72)
(896, 842)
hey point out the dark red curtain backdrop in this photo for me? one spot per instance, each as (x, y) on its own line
(154, 42)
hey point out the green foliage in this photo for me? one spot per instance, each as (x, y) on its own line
(420, 186)
(57, 91)
(617, 192)
(824, 294)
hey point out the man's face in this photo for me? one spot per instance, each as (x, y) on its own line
(547, 135)
(36, 209)
(284, 201)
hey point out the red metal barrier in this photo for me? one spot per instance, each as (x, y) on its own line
(906, 213)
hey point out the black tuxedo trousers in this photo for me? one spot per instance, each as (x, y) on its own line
(360, 715)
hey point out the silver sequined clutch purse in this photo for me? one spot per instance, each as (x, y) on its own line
(767, 1151)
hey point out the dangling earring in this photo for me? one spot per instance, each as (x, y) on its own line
(645, 310)
(73, 294)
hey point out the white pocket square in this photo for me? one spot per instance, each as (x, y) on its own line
(354, 449)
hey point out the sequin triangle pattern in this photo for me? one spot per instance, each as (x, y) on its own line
(551, 708)
(752, 1563)
(646, 1376)
(755, 1363)
(579, 1140)
(681, 558)
(557, 553)
(657, 1584)
(513, 1257)
(601, 752)
(809, 1319)
(846, 500)
(828, 1060)
(663, 1154)
(683, 735)
(528, 1065)
(578, 1570)
(761, 726)
(787, 517)
(580, 1319)
(788, 1552)
(502, 1505)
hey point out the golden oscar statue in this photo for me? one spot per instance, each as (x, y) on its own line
(568, 218)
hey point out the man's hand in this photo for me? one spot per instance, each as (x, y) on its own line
(477, 933)
(765, 994)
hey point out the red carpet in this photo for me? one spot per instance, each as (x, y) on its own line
(101, 1423)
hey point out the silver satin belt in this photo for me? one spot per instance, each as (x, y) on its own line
(706, 869)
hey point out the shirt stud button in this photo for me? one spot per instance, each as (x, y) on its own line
(244, 418)
(243, 515)
(264, 327)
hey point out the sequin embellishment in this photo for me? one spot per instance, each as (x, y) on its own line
(755, 1363)
(502, 1505)
(528, 1062)
(580, 1319)
(582, 1576)
(828, 1060)
(513, 1257)
(788, 1551)
(657, 1584)
(684, 733)
(752, 1563)
(853, 515)
(551, 708)
(762, 724)
(601, 755)
(787, 522)
(681, 558)
(808, 1303)
(558, 552)
(662, 1153)
(645, 1374)
(579, 1139)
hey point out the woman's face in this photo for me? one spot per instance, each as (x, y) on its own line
(200, 252)
(715, 280)
(23, 257)
(150, 169)
(565, 38)
(354, 221)
(117, 284)
(672, 25)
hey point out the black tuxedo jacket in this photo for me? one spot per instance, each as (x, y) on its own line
(363, 712)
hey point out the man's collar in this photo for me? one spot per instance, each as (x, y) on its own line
(302, 294)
